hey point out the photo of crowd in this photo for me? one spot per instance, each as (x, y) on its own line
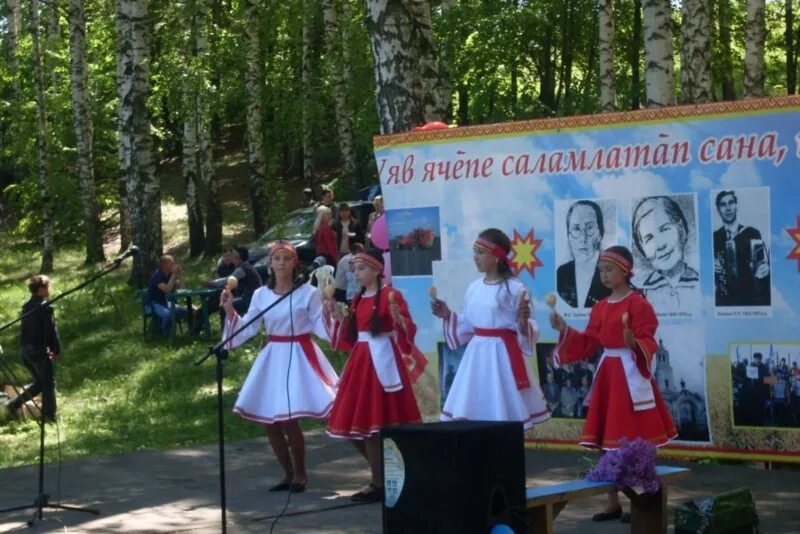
(565, 388)
(766, 385)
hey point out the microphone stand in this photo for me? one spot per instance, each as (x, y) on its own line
(42, 499)
(221, 353)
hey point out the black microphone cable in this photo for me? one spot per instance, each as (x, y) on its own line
(289, 409)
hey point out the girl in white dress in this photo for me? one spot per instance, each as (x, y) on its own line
(291, 377)
(493, 383)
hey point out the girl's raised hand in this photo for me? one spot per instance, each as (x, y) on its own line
(333, 309)
(524, 308)
(226, 301)
(557, 322)
(439, 309)
(627, 333)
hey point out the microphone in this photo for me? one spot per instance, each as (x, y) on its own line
(132, 251)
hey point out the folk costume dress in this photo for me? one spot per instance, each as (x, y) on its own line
(493, 382)
(375, 387)
(624, 401)
(291, 377)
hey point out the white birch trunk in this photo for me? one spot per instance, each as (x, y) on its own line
(52, 30)
(335, 49)
(659, 71)
(696, 82)
(308, 101)
(405, 68)
(14, 22)
(41, 142)
(255, 134)
(144, 194)
(83, 123)
(123, 49)
(754, 36)
(196, 124)
(607, 80)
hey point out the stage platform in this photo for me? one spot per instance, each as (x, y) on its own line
(177, 491)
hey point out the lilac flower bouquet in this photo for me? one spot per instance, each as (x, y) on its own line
(632, 465)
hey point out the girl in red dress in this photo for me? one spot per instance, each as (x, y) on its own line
(374, 389)
(624, 401)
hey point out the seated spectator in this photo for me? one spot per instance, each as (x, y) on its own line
(340, 281)
(248, 279)
(164, 281)
(225, 267)
(348, 229)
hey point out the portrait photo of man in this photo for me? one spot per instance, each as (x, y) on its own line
(741, 254)
(577, 279)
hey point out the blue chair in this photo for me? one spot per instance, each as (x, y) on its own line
(149, 316)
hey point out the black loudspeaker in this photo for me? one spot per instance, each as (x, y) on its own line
(459, 477)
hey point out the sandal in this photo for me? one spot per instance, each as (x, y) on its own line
(608, 516)
(281, 486)
(368, 495)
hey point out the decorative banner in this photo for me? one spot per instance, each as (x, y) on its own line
(705, 197)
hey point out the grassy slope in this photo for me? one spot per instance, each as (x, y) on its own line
(118, 391)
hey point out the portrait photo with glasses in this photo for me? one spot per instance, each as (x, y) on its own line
(583, 228)
(665, 250)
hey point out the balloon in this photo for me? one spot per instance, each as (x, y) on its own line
(501, 529)
(380, 233)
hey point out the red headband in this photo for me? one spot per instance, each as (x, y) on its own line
(284, 247)
(495, 250)
(618, 260)
(369, 260)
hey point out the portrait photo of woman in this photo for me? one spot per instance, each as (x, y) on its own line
(590, 226)
(665, 242)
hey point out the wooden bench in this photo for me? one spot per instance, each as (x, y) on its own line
(648, 511)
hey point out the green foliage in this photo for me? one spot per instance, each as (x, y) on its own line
(117, 390)
(509, 59)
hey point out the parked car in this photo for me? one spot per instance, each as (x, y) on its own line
(297, 228)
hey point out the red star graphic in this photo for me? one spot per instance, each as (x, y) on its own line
(523, 253)
(794, 233)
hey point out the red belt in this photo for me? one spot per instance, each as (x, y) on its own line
(308, 348)
(515, 357)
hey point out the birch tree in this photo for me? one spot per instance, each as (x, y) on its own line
(42, 145)
(255, 134)
(636, 56)
(213, 201)
(406, 72)
(144, 194)
(659, 72)
(726, 55)
(696, 80)
(83, 123)
(754, 36)
(337, 57)
(308, 114)
(788, 39)
(607, 83)
(13, 22)
(123, 50)
(196, 164)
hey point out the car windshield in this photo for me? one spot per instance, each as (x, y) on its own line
(297, 225)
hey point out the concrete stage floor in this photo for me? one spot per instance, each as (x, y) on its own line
(178, 491)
